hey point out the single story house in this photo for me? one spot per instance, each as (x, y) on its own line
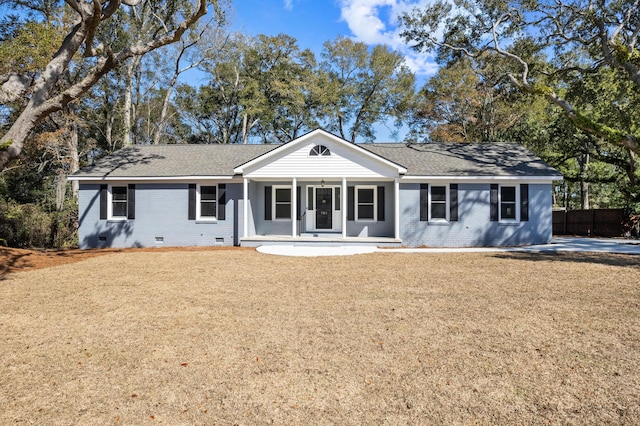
(317, 188)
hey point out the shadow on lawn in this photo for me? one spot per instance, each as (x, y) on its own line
(10, 262)
(622, 260)
(17, 260)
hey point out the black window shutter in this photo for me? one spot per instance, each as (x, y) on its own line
(131, 201)
(453, 202)
(299, 201)
(494, 203)
(192, 201)
(222, 201)
(310, 197)
(380, 203)
(351, 199)
(524, 202)
(103, 202)
(424, 202)
(267, 203)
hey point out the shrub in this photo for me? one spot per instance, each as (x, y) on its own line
(24, 225)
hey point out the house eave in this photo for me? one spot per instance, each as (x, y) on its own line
(481, 179)
(148, 178)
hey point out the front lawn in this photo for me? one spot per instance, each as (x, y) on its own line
(239, 337)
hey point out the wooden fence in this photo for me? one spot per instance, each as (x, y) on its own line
(592, 223)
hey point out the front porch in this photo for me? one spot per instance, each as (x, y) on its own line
(319, 239)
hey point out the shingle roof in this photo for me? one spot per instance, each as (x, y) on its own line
(433, 159)
(463, 159)
(174, 160)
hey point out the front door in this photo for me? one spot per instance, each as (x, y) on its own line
(324, 208)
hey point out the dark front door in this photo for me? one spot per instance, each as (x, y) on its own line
(324, 208)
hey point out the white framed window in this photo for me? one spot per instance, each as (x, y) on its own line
(366, 203)
(117, 202)
(319, 151)
(509, 203)
(281, 200)
(206, 202)
(438, 203)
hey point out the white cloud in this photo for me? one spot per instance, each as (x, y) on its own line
(288, 4)
(376, 22)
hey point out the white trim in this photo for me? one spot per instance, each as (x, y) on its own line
(294, 207)
(336, 210)
(375, 203)
(515, 220)
(110, 216)
(303, 139)
(319, 154)
(245, 207)
(237, 179)
(396, 208)
(155, 179)
(199, 217)
(273, 203)
(447, 205)
(343, 202)
(481, 179)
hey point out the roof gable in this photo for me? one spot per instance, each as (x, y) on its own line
(342, 158)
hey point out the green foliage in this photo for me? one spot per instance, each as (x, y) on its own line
(364, 87)
(29, 47)
(625, 53)
(24, 225)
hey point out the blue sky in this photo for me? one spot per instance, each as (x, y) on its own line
(312, 22)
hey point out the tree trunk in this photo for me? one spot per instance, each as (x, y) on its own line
(74, 162)
(584, 185)
(245, 133)
(128, 101)
(163, 113)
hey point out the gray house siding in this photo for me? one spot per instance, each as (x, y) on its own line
(162, 212)
(474, 227)
(161, 219)
(380, 228)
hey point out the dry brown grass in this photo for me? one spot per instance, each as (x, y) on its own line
(238, 337)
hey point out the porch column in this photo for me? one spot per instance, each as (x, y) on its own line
(396, 210)
(245, 207)
(343, 208)
(294, 207)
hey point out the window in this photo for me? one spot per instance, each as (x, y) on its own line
(319, 150)
(282, 202)
(508, 203)
(366, 203)
(208, 202)
(438, 203)
(118, 202)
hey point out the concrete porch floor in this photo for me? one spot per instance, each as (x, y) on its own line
(327, 240)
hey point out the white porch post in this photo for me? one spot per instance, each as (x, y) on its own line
(294, 207)
(396, 210)
(343, 201)
(245, 206)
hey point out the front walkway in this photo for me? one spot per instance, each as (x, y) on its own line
(560, 244)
